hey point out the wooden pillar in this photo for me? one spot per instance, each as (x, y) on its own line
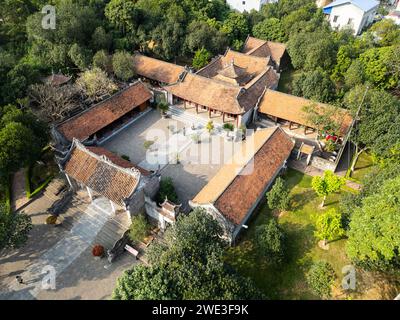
(223, 117)
(89, 193)
(290, 125)
(305, 130)
(184, 104)
(209, 113)
(276, 120)
(197, 108)
(112, 207)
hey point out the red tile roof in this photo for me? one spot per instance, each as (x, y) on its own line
(242, 194)
(100, 174)
(157, 70)
(104, 113)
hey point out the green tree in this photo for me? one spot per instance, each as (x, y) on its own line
(386, 31)
(278, 197)
(102, 60)
(201, 58)
(329, 226)
(80, 56)
(320, 279)
(201, 34)
(314, 85)
(270, 241)
(101, 40)
(374, 236)
(270, 29)
(378, 128)
(188, 264)
(123, 15)
(139, 228)
(354, 75)
(327, 184)
(167, 190)
(235, 26)
(122, 63)
(14, 229)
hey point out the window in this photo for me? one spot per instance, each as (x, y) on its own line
(350, 22)
(335, 18)
(244, 3)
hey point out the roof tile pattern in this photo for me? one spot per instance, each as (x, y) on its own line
(101, 175)
(261, 48)
(157, 70)
(290, 108)
(104, 113)
(237, 200)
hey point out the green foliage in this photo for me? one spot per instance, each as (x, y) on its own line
(327, 184)
(228, 127)
(22, 137)
(387, 32)
(139, 228)
(314, 85)
(235, 26)
(374, 236)
(79, 56)
(189, 264)
(322, 119)
(329, 225)
(122, 63)
(201, 34)
(14, 229)
(379, 116)
(102, 60)
(270, 29)
(320, 279)
(270, 241)
(210, 126)
(201, 58)
(278, 197)
(167, 190)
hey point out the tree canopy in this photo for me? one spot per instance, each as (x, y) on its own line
(189, 264)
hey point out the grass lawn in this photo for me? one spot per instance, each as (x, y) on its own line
(363, 166)
(288, 281)
(285, 81)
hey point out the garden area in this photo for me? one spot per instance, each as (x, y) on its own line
(363, 166)
(288, 280)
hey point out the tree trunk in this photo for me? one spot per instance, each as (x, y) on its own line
(358, 153)
(325, 242)
(323, 202)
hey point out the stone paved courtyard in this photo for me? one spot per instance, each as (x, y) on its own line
(191, 165)
(67, 248)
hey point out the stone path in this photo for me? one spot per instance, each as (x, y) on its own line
(63, 253)
(18, 193)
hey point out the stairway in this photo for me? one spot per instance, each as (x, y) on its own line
(181, 115)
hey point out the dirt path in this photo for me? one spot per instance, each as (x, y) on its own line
(18, 194)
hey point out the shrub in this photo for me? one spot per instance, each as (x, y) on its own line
(163, 107)
(147, 144)
(98, 250)
(51, 219)
(167, 189)
(278, 197)
(320, 278)
(138, 229)
(125, 157)
(270, 241)
(329, 226)
(228, 127)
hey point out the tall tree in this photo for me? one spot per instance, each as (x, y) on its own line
(327, 184)
(374, 236)
(14, 229)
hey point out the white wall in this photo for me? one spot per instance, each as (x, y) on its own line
(247, 5)
(345, 12)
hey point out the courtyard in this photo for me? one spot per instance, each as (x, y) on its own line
(187, 153)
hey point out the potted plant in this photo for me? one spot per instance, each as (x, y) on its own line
(196, 138)
(98, 251)
(228, 127)
(163, 107)
(52, 219)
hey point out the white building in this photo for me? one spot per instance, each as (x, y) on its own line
(355, 14)
(248, 5)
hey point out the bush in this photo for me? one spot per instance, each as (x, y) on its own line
(51, 219)
(122, 63)
(167, 189)
(138, 229)
(98, 250)
(125, 157)
(228, 127)
(270, 241)
(278, 197)
(320, 278)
